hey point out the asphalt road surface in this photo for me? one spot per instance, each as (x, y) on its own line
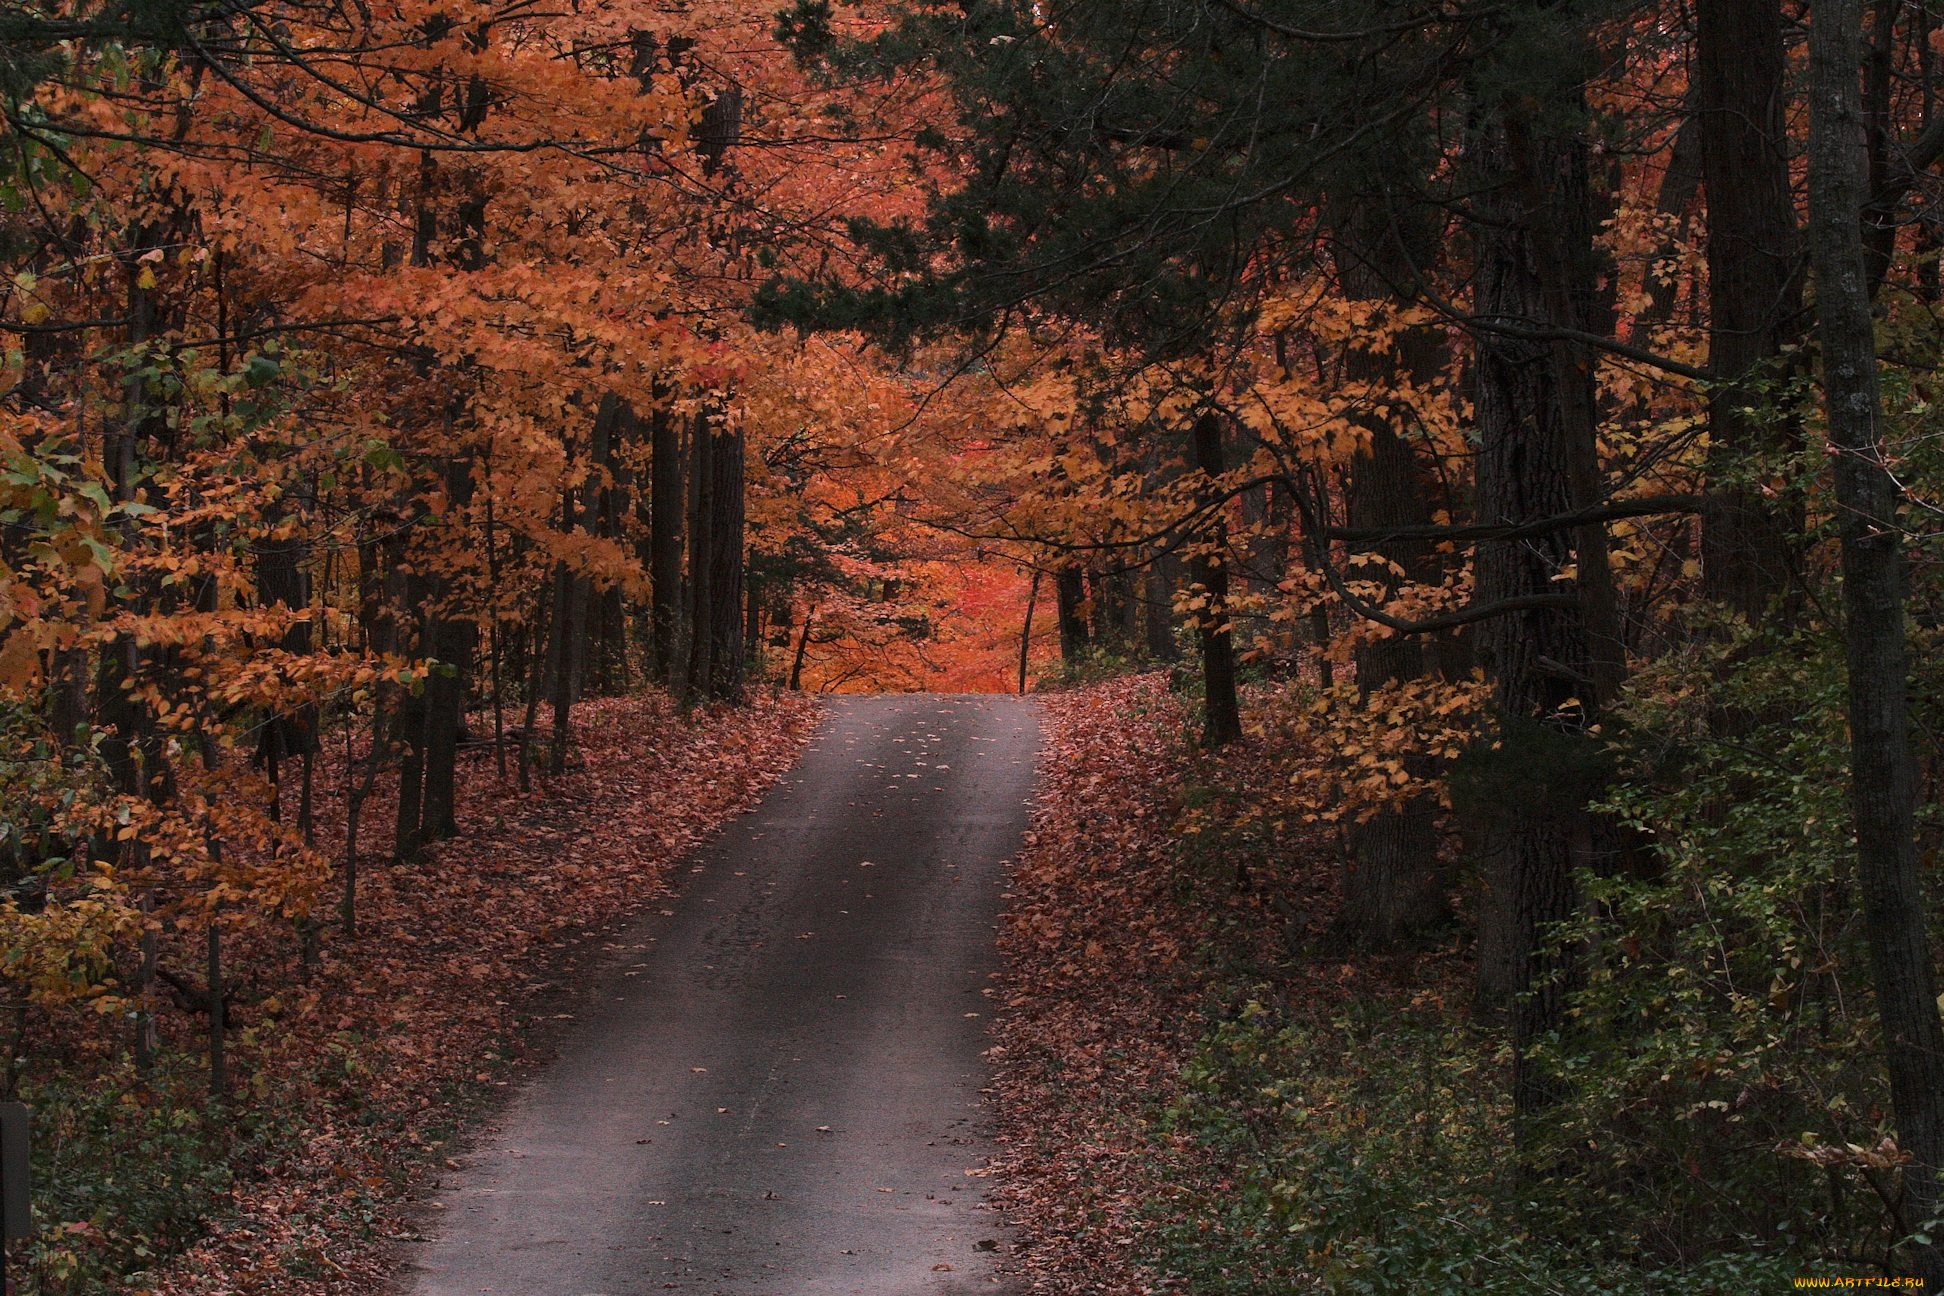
(776, 1088)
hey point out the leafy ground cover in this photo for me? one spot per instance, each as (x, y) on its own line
(1199, 1093)
(1116, 956)
(352, 1080)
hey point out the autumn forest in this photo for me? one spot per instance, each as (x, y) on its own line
(1457, 483)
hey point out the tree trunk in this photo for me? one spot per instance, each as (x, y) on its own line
(1158, 598)
(1533, 403)
(408, 722)
(559, 676)
(1882, 774)
(1026, 628)
(701, 654)
(667, 491)
(1223, 714)
(803, 646)
(1391, 882)
(609, 612)
(1070, 595)
(454, 642)
(727, 661)
(1749, 541)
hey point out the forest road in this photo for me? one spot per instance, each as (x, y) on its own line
(776, 1086)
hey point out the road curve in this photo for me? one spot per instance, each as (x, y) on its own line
(776, 1089)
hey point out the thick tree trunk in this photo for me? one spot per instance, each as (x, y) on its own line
(1533, 404)
(1749, 541)
(455, 645)
(609, 613)
(563, 643)
(1114, 609)
(1391, 884)
(1223, 714)
(1070, 596)
(1882, 773)
(1157, 608)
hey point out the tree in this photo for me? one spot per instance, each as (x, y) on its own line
(1881, 770)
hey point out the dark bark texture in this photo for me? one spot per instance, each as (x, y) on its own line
(1749, 542)
(1534, 405)
(1223, 712)
(1882, 772)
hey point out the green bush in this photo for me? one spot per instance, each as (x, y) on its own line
(1373, 1154)
(130, 1170)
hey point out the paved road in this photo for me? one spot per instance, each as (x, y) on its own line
(778, 1092)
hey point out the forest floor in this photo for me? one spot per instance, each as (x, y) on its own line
(457, 982)
(1137, 928)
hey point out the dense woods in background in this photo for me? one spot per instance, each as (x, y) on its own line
(1514, 423)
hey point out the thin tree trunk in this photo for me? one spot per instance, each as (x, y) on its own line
(1026, 630)
(408, 737)
(558, 674)
(803, 646)
(727, 662)
(667, 492)
(1882, 773)
(701, 659)
(545, 628)
(455, 642)
(145, 1011)
(1223, 714)
(493, 643)
(354, 800)
(218, 1061)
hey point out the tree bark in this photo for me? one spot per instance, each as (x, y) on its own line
(454, 642)
(701, 654)
(1026, 628)
(1223, 720)
(727, 661)
(667, 491)
(1070, 596)
(407, 589)
(1158, 597)
(1534, 404)
(1882, 774)
(1749, 541)
(1391, 883)
(803, 646)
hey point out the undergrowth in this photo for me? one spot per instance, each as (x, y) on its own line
(1296, 1121)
